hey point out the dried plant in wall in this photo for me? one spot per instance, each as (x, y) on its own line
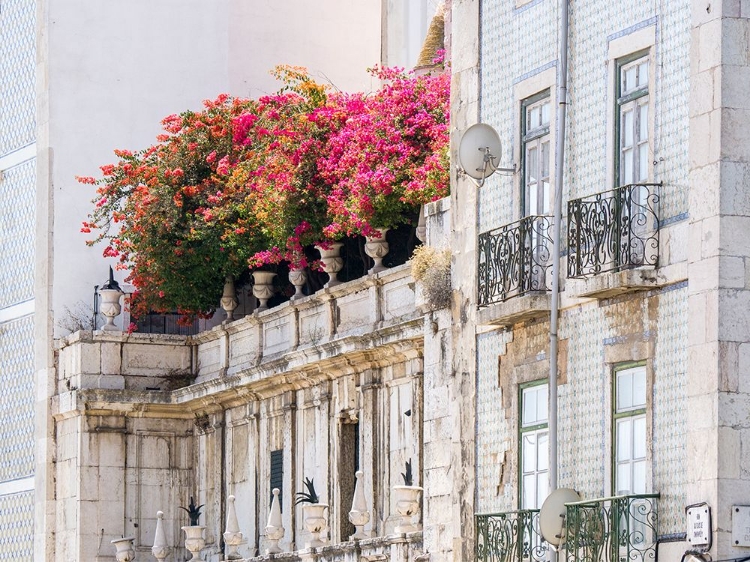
(431, 268)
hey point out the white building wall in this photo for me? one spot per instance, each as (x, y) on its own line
(113, 70)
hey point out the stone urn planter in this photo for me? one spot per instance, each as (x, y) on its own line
(232, 534)
(229, 298)
(124, 549)
(332, 262)
(377, 249)
(161, 549)
(359, 516)
(263, 287)
(298, 278)
(194, 541)
(274, 529)
(110, 294)
(316, 523)
(406, 499)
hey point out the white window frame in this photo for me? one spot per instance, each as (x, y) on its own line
(630, 453)
(535, 427)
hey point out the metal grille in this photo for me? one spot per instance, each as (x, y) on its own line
(17, 527)
(17, 74)
(613, 230)
(17, 198)
(514, 260)
(612, 529)
(17, 399)
(510, 537)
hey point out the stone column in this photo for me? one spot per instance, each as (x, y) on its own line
(718, 385)
(455, 525)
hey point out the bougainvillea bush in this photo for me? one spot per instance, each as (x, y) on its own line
(390, 156)
(168, 214)
(247, 183)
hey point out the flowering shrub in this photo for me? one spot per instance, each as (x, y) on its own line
(390, 156)
(169, 215)
(243, 183)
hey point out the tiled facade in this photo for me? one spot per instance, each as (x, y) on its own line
(17, 228)
(16, 526)
(651, 326)
(17, 74)
(17, 203)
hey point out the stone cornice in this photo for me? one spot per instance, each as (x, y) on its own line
(291, 371)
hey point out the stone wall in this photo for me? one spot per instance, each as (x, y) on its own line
(143, 422)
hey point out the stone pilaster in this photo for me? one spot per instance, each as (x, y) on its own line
(718, 383)
(449, 532)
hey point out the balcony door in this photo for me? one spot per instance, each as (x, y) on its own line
(537, 194)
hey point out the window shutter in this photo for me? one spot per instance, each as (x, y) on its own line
(277, 474)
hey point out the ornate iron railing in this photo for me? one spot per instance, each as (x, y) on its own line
(613, 230)
(616, 529)
(510, 537)
(515, 259)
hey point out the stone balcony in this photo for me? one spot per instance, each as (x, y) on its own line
(321, 380)
(394, 548)
(304, 339)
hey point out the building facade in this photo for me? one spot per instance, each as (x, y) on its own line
(648, 359)
(652, 396)
(17, 303)
(77, 81)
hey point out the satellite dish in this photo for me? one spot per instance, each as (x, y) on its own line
(552, 514)
(479, 151)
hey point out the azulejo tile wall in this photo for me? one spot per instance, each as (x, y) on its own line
(658, 319)
(17, 527)
(17, 399)
(670, 411)
(17, 74)
(17, 204)
(516, 43)
(493, 430)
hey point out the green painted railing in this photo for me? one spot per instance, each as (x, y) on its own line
(510, 537)
(615, 529)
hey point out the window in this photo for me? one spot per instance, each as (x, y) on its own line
(534, 446)
(277, 474)
(633, 111)
(630, 430)
(535, 152)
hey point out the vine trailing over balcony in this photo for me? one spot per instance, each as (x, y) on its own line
(245, 183)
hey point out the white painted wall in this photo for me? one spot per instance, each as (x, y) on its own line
(115, 69)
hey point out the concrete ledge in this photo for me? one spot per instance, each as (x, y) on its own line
(612, 284)
(515, 310)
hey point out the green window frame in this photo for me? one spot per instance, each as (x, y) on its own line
(536, 191)
(632, 132)
(533, 439)
(630, 452)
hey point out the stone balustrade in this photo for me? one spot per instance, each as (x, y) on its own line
(373, 312)
(393, 548)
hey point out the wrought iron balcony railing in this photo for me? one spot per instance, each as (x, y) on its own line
(510, 537)
(613, 230)
(515, 259)
(612, 529)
